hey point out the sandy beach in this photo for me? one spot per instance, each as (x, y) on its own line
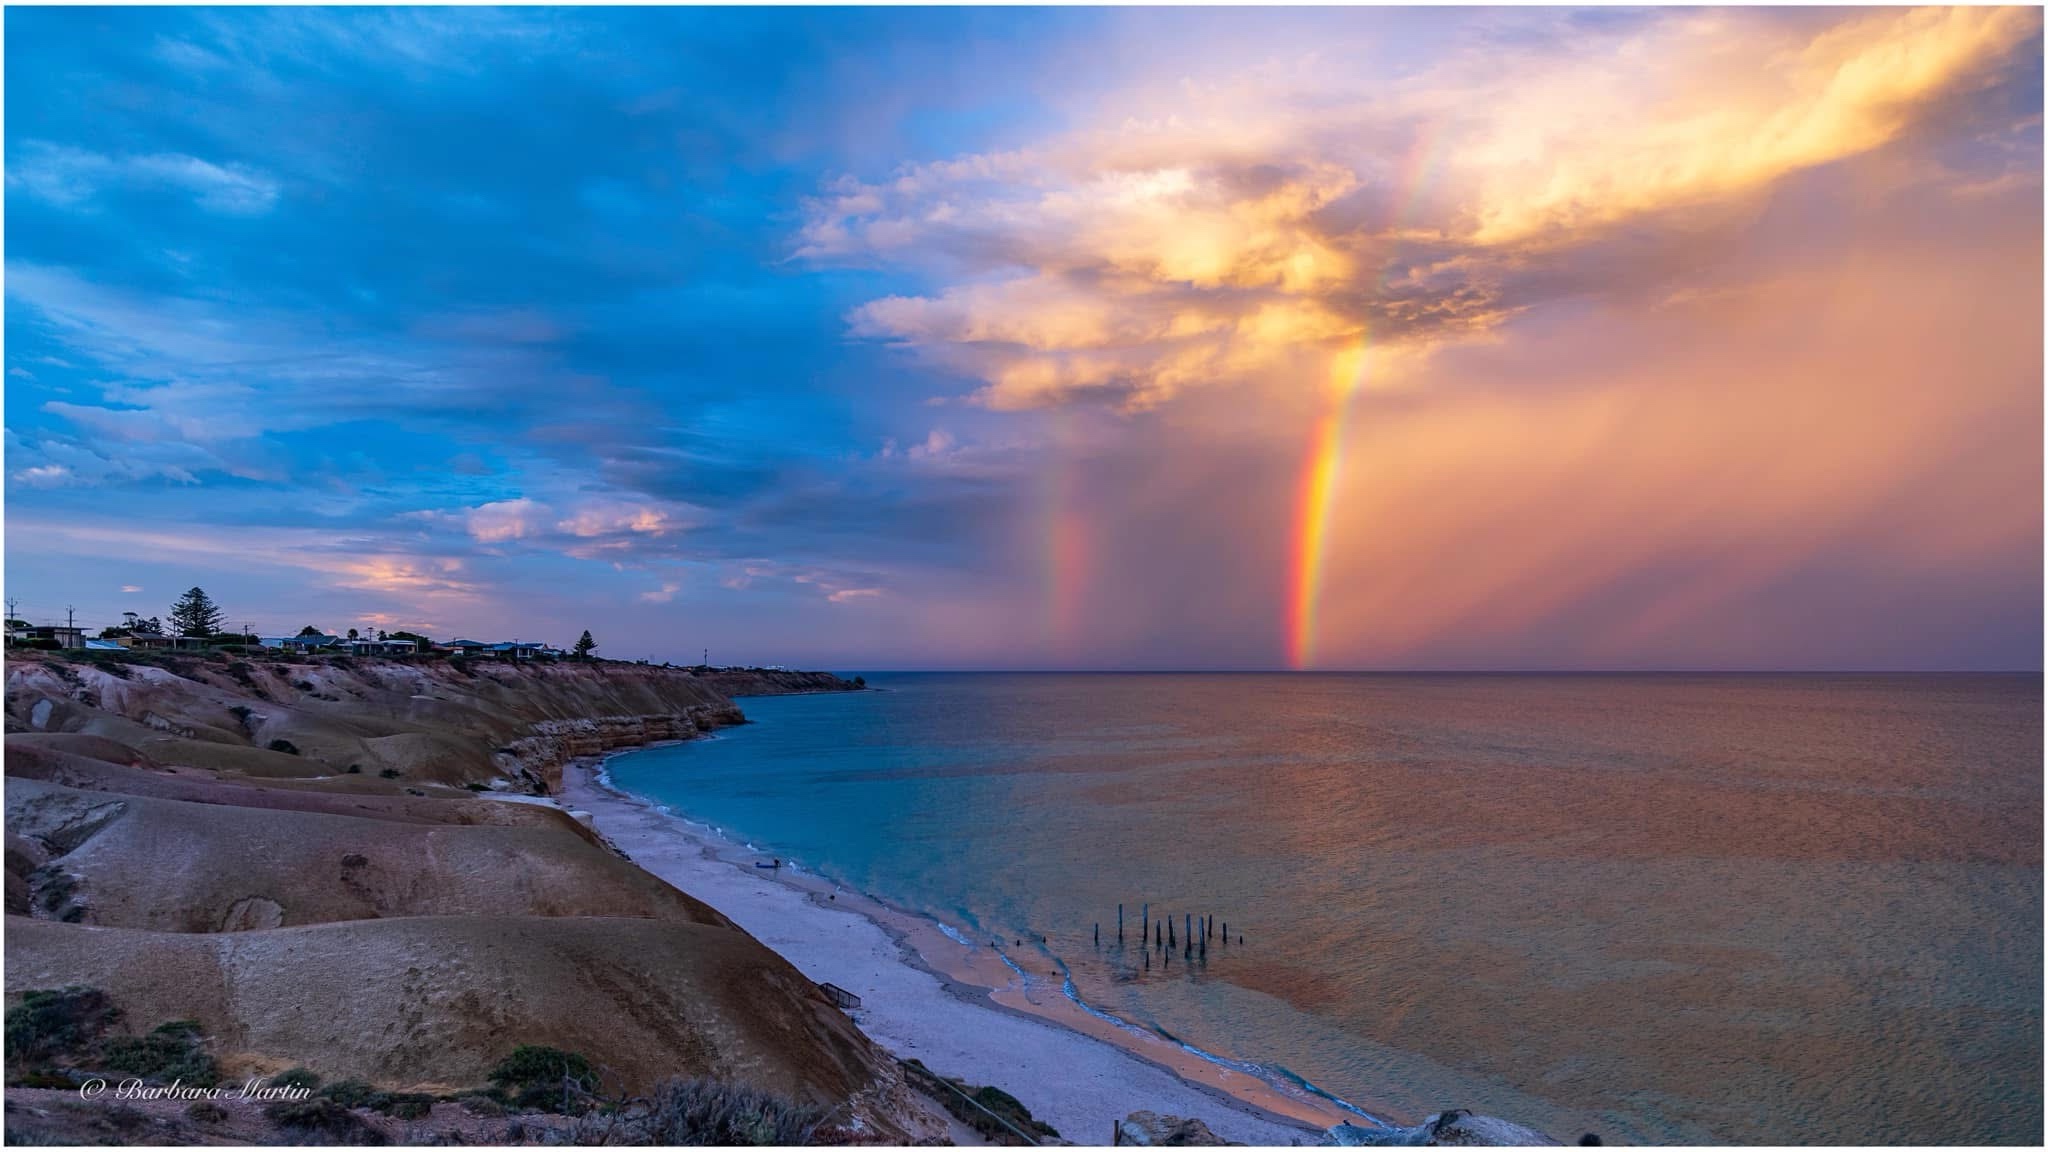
(956, 1006)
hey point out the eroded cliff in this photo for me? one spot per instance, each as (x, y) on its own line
(310, 858)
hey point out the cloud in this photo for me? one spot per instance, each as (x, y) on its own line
(131, 587)
(503, 520)
(74, 177)
(661, 595)
(1260, 228)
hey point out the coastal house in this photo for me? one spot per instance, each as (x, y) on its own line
(156, 641)
(504, 649)
(368, 647)
(313, 643)
(63, 635)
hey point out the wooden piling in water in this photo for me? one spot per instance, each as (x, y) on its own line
(1145, 925)
(1098, 934)
(1119, 925)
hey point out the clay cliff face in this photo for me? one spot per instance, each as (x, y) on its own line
(306, 858)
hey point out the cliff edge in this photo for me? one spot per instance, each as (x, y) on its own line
(318, 861)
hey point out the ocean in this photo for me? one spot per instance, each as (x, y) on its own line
(1664, 908)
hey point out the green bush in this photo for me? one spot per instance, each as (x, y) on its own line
(702, 1113)
(296, 1078)
(389, 773)
(537, 1076)
(320, 1120)
(51, 1024)
(173, 1051)
(355, 769)
(284, 746)
(205, 1112)
(356, 1094)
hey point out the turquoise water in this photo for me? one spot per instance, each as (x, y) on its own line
(1801, 909)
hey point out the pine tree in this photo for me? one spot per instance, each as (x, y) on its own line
(584, 644)
(195, 614)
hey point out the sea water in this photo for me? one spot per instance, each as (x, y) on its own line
(1784, 909)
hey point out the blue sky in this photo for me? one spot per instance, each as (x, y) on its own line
(987, 338)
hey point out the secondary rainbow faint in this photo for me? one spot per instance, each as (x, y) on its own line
(1320, 473)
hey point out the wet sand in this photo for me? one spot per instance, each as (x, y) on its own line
(958, 1006)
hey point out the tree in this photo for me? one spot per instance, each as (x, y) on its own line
(352, 634)
(584, 644)
(195, 614)
(309, 630)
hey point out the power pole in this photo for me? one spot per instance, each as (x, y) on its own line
(14, 607)
(70, 618)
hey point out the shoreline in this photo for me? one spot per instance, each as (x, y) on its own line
(965, 1010)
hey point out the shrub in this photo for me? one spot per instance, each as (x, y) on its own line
(304, 685)
(473, 786)
(389, 773)
(51, 1024)
(206, 1112)
(296, 1078)
(355, 769)
(537, 1076)
(349, 1093)
(173, 1051)
(321, 1120)
(701, 1113)
(284, 746)
(356, 1094)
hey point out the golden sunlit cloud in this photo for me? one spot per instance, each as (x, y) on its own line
(1336, 253)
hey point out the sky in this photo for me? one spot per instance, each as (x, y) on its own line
(1009, 338)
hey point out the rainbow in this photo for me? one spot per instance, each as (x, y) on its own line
(1316, 498)
(1324, 465)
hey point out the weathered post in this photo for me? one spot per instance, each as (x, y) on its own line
(1119, 924)
(1098, 934)
(1145, 924)
(1170, 941)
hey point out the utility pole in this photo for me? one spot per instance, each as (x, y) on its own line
(70, 617)
(14, 607)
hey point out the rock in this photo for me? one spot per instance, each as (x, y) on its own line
(1151, 1130)
(1454, 1128)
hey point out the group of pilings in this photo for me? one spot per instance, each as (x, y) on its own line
(1159, 935)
